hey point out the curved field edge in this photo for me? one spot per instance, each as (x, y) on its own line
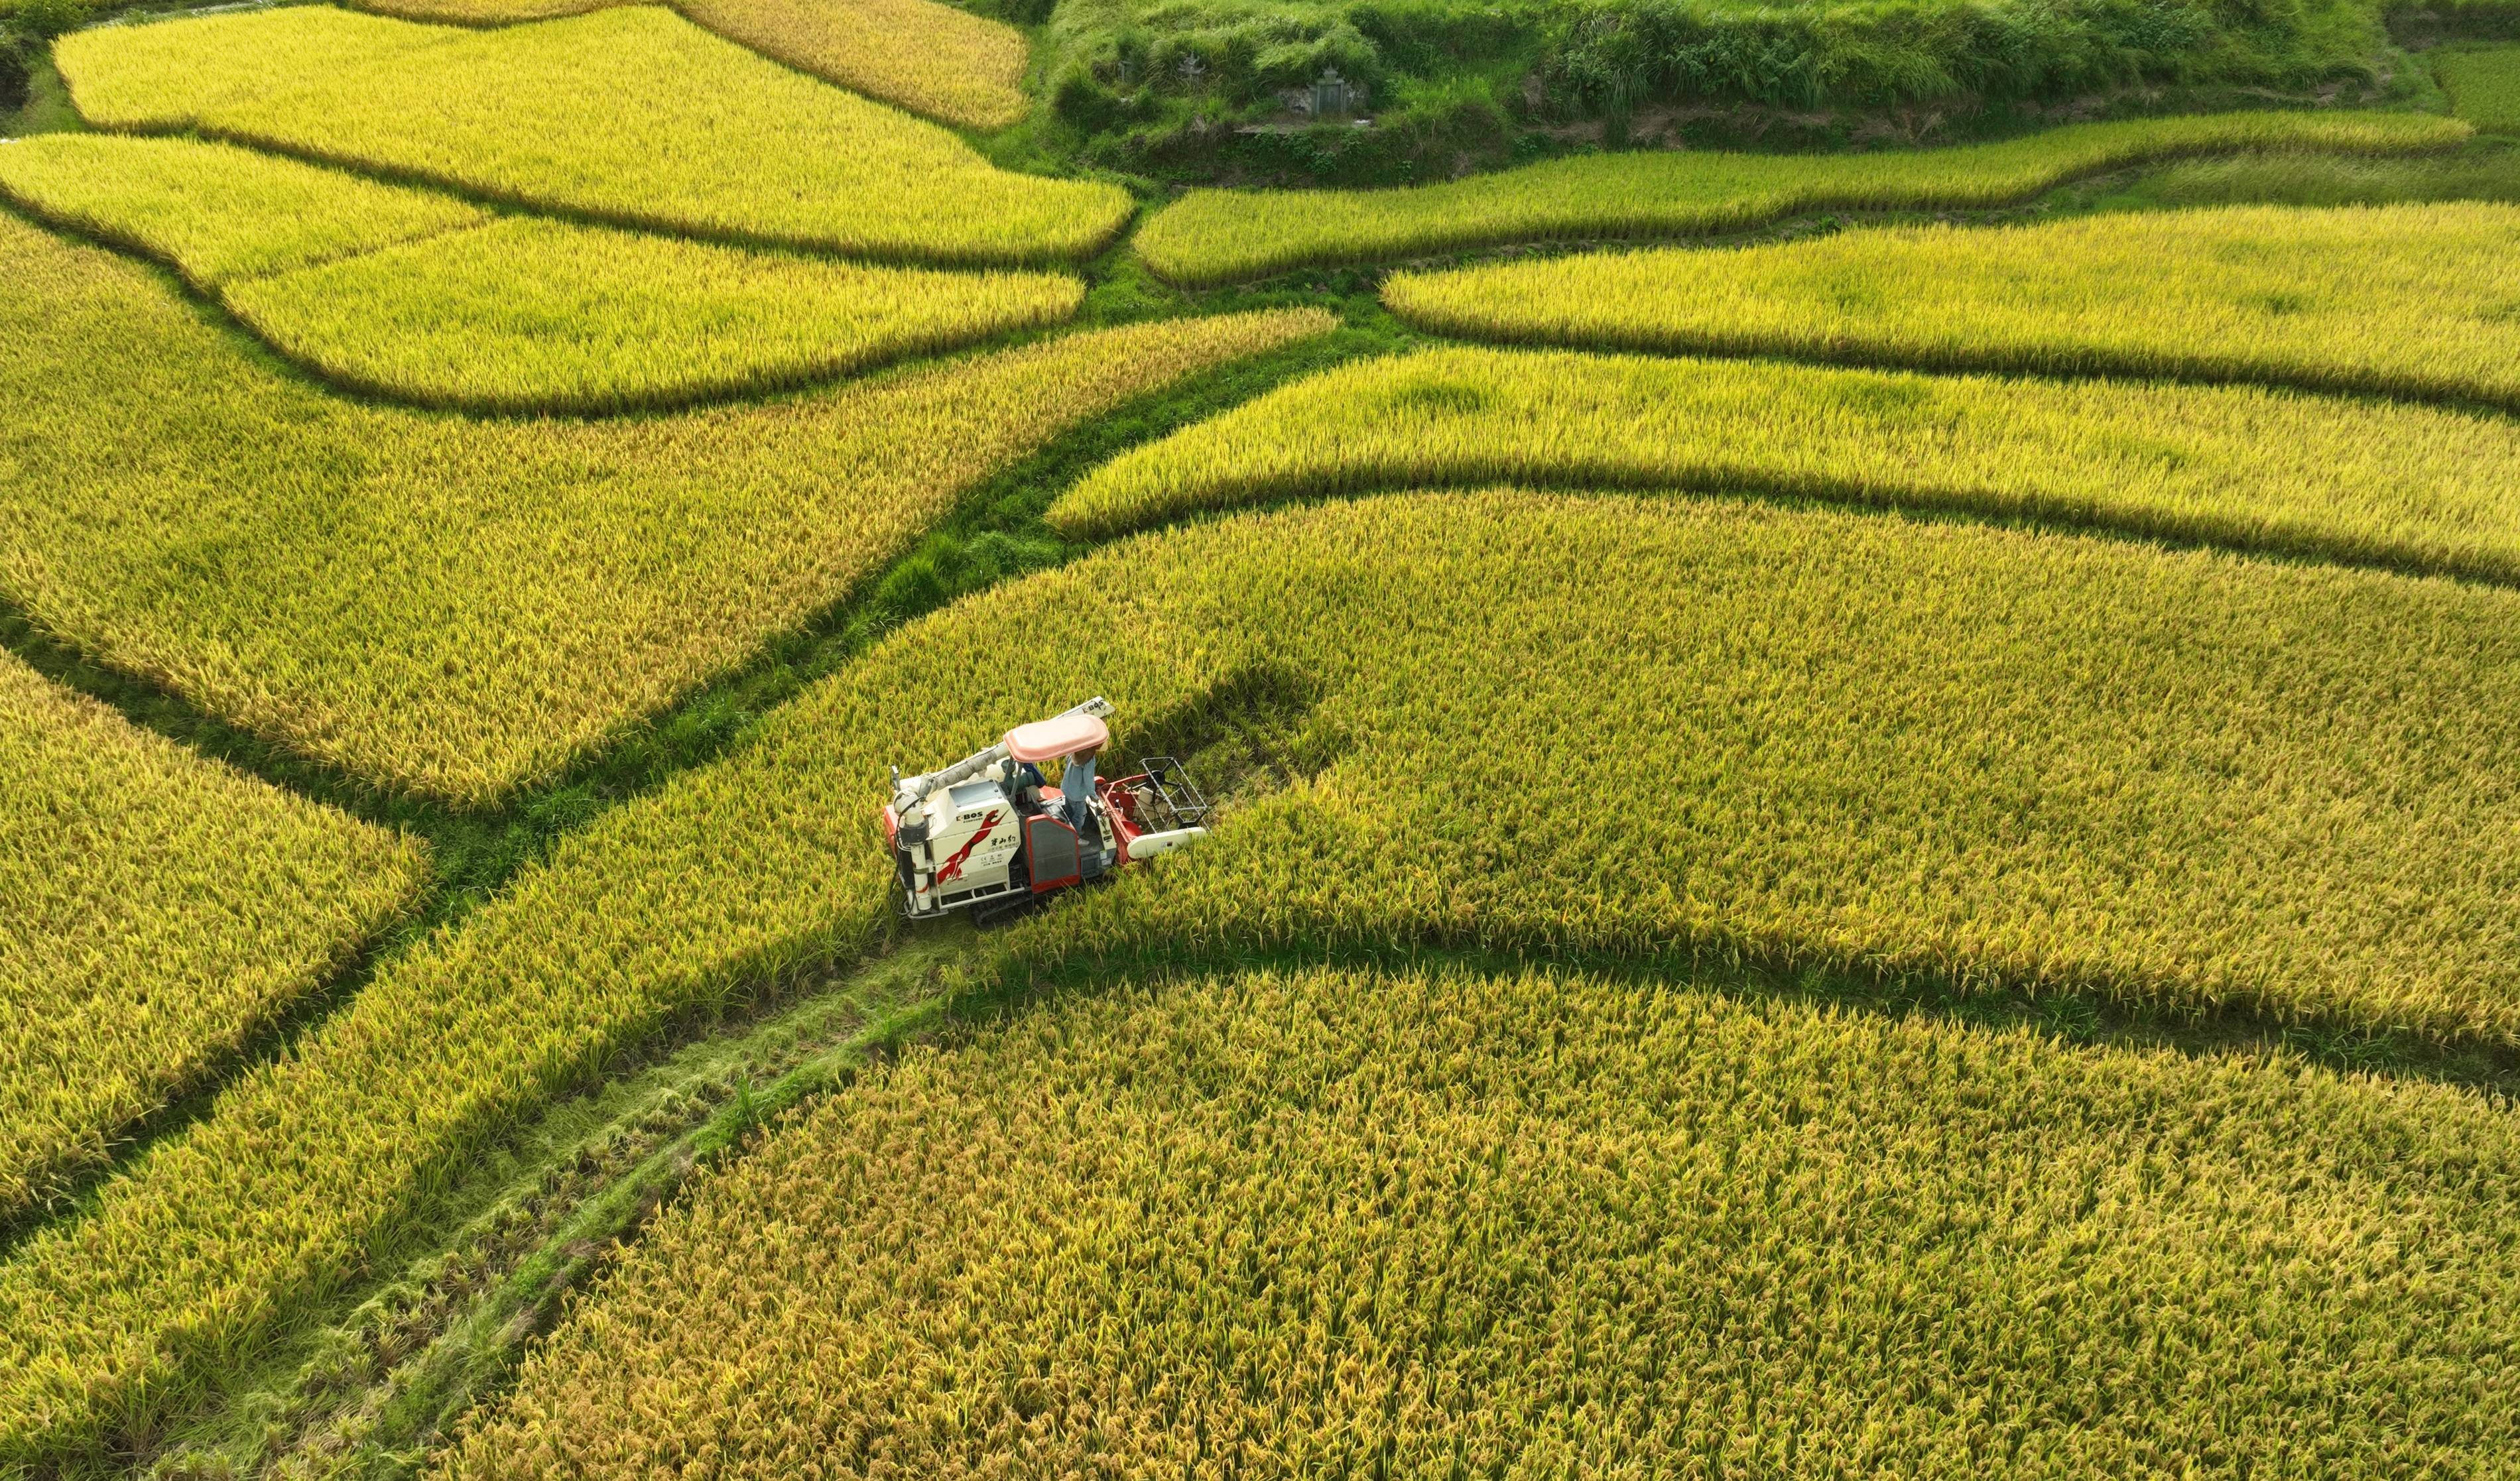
(2165, 800)
(2406, 487)
(415, 298)
(274, 594)
(217, 213)
(157, 909)
(2412, 301)
(1211, 237)
(1330, 1220)
(632, 116)
(936, 60)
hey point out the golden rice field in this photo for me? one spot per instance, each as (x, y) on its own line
(1318, 1223)
(420, 298)
(215, 212)
(2172, 776)
(530, 315)
(632, 115)
(2407, 300)
(2414, 487)
(928, 57)
(156, 911)
(1221, 236)
(457, 607)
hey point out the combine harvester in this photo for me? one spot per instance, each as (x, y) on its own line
(989, 833)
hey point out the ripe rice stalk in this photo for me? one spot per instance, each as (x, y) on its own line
(2416, 488)
(215, 212)
(415, 297)
(1324, 1222)
(634, 117)
(1222, 235)
(931, 57)
(1540, 724)
(2411, 300)
(459, 608)
(156, 911)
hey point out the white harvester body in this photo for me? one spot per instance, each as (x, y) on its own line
(991, 833)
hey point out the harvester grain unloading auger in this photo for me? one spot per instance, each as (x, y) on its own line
(989, 833)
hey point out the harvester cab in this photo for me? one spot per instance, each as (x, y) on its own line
(991, 833)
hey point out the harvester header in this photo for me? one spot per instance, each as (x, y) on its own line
(991, 833)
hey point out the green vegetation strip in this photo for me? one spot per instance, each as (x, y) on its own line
(423, 299)
(2412, 487)
(156, 911)
(1213, 236)
(2415, 301)
(2176, 779)
(1325, 1223)
(632, 115)
(459, 608)
(2483, 86)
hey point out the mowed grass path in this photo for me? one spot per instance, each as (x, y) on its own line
(1326, 1223)
(634, 117)
(2413, 301)
(931, 57)
(421, 297)
(156, 910)
(2176, 778)
(459, 608)
(1216, 235)
(2412, 487)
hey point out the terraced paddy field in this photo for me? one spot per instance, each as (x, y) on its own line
(565, 568)
(2412, 301)
(591, 115)
(1944, 911)
(423, 299)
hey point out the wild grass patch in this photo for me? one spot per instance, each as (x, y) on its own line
(2483, 86)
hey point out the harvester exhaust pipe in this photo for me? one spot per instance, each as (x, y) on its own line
(909, 792)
